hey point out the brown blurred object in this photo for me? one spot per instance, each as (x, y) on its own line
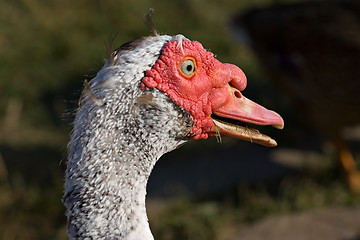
(12, 119)
(3, 171)
(311, 50)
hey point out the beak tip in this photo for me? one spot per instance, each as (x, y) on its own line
(279, 126)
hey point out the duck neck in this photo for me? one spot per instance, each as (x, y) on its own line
(111, 155)
(105, 195)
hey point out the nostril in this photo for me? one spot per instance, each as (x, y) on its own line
(237, 94)
(231, 84)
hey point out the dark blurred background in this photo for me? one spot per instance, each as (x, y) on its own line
(296, 55)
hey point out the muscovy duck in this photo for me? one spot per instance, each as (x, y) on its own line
(152, 95)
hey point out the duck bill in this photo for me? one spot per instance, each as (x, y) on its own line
(232, 118)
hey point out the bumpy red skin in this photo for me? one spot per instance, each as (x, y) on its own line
(203, 92)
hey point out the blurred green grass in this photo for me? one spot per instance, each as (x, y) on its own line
(47, 49)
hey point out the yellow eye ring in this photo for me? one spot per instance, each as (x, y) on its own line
(188, 67)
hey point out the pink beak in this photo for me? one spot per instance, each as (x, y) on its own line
(239, 108)
(243, 109)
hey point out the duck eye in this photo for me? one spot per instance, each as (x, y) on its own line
(188, 68)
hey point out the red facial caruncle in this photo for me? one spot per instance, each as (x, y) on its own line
(202, 85)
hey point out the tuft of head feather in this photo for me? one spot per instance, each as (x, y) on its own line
(109, 49)
(149, 22)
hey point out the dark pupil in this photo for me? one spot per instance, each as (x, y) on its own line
(189, 68)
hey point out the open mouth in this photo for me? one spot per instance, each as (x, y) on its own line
(240, 129)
